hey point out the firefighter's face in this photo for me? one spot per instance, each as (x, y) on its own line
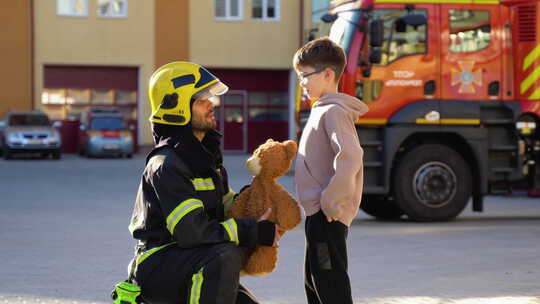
(202, 115)
(312, 80)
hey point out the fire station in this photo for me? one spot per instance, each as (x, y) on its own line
(73, 56)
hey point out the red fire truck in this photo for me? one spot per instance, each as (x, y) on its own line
(453, 89)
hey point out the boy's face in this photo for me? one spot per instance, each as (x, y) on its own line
(315, 82)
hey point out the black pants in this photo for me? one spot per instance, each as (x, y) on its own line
(326, 277)
(208, 275)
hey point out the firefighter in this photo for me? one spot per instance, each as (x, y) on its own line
(186, 251)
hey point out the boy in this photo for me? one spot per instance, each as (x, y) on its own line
(329, 170)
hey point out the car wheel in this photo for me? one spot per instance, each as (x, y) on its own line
(7, 154)
(56, 155)
(129, 155)
(381, 208)
(432, 183)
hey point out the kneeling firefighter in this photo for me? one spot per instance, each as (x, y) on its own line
(186, 251)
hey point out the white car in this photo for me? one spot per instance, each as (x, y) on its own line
(29, 132)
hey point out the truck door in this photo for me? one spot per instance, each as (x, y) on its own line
(471, 52)
(409, 66)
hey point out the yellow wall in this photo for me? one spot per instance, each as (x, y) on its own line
(15, 56)
(97, 41)
(247, 43)
(172, 35)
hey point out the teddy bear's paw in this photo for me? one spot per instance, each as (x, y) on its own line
(258, 270)
(262, 261)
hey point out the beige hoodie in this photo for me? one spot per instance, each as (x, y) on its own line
(329, 165)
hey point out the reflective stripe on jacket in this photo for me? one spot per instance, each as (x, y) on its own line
(180, 207)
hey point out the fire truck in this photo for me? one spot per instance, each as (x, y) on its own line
(453, 89)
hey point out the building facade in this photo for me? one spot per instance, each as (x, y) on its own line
(74, 55)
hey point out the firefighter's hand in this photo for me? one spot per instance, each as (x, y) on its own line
(277, 229)
(330, 219)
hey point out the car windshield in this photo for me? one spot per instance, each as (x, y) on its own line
(106, 123)
(29, 120)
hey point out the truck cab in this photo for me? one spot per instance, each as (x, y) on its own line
(454, 101)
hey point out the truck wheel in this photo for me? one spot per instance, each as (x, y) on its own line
(381, 208)
(432, 183)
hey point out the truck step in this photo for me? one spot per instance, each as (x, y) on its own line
(502, 170)
(372, 164)
(497, 121)
(374, 190)
(373, 143)
(503, 148)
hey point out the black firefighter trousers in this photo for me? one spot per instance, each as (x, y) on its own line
(208, 274)
(326, 278)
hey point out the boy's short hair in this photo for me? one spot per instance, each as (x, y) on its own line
(321, 53)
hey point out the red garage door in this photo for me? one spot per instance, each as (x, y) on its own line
(262, 114)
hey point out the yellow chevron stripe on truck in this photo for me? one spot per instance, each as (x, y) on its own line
(531, 79)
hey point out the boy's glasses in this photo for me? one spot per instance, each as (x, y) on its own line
(304, 76)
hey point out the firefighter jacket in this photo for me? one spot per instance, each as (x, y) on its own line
(182, 200)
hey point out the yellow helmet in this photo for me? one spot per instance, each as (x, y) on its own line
(174, 85)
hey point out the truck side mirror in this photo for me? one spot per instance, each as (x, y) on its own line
(376, 33)
(329, 18)
(375, 56)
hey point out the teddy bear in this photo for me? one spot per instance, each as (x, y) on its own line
(269, 162)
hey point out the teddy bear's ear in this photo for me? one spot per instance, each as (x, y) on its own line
(291, 148)
(269, 140)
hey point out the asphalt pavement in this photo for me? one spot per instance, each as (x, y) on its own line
(64, 239)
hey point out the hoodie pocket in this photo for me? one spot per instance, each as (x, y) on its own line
(307, 187)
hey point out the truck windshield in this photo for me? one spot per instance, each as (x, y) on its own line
(28, 120)
(342, 31)
(106, 123)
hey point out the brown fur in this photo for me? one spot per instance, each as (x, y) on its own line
(263, 193)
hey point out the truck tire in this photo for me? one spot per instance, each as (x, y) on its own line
(432, 183)
(381, 208)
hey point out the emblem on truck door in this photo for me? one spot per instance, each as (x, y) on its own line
(466, 77)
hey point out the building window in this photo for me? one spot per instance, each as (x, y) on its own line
(470, 31)
(268, 106)
(112, 8)
(228, 9)
(69, 103)
(266, 10)
(72, 8)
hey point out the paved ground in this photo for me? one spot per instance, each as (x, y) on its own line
(64, 239)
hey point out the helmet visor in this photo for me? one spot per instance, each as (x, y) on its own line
(212, 93)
